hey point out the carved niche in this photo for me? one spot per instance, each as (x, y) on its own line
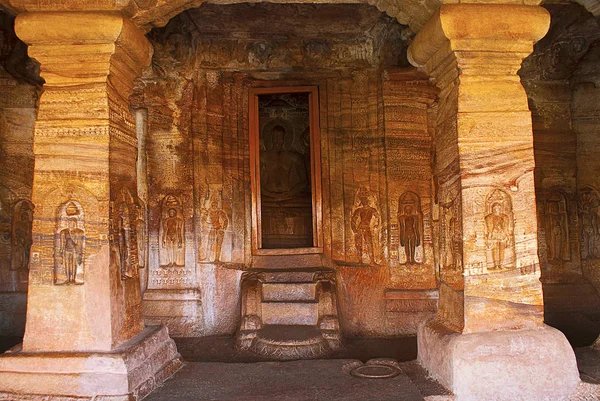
(410, 225)
(214, 224)
(366, 224)
(587, 204)
(499, 230)
(123, 234)
(69, 248)
(171, 233)
(21, 237)
(556, 227)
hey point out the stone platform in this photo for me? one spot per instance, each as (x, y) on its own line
(130, 372)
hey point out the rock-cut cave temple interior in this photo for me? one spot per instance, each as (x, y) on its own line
(401, 189)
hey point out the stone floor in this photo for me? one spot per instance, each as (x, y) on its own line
(215, 372)
(309, 380)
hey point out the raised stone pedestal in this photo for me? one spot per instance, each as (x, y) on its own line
(130, 372)
(536, 364)
(179, 310)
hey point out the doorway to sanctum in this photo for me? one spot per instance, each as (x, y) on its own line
(285, 170)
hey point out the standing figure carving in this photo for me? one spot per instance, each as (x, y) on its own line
(172, 233)
(216, 221)
(410, 221)
(588, 215)
(21, 235)
(141, 233)
(498, 228)
(70, 245)
(124, 234)
(555, 222)
(365, 224)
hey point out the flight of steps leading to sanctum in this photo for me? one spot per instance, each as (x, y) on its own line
(289, 314)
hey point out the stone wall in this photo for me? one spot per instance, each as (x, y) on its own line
(375, 144)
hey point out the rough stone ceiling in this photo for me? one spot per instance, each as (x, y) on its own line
(264, 19)
(155, 13)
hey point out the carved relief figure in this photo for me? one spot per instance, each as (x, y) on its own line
(21, 235)
(216, 222)
(365, 224)
(498, 227)
(139, 219)
(70, 247)
(410, 221)
(282, 172)
(588, 215)
(555, 222)
(172, 233)
(124, 234)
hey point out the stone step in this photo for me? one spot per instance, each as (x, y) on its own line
(285, 342)
(290, 313)
(289, 276)
(282, 292)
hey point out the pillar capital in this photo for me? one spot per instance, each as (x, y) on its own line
(462, 29)
(78, 47)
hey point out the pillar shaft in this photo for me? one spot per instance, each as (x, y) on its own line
(484, 157)
(84, 292)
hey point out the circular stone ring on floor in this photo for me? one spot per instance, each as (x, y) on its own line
(375, 371)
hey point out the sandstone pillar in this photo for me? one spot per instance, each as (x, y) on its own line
(84, 292)
(488, 340)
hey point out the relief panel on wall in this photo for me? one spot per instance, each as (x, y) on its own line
(366, 226)
(124, 240)
(556, 227)
(214, 224)
(588, 206)
(21, 237)
(171, 233)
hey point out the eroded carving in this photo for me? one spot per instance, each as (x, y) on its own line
(69, 254)
(588, 204)
(141, 231)
(123, 233)
(498, 228)
(172, 233)
(557, 229)
(365, 223)
(21, 238)
(216, 222)
(410, 221)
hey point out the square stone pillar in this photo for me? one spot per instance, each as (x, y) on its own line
(488, 340)
(84, 333)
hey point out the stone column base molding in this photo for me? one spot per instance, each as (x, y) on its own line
(130, 372)
(514, 365)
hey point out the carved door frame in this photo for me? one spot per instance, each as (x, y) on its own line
(315, 169)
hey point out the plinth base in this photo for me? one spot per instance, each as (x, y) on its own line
(504, 365)
(128, 373)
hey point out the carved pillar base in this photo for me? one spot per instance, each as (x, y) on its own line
(130, 372)
(504, 365)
